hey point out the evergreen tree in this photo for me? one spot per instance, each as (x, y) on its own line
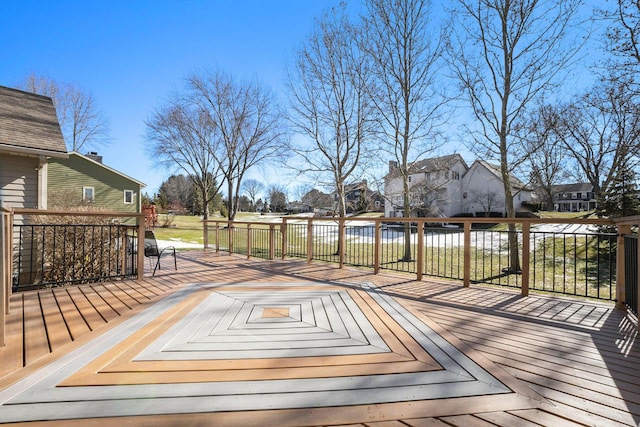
(622, 198)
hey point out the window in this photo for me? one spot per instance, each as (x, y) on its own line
(128, 197)
(88, 194)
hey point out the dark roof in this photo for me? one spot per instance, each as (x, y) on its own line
(29, 125)
(572, 188)
(432, 164)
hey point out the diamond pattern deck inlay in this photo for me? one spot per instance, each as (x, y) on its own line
(213, 348)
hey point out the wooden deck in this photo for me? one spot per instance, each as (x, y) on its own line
(230, 341)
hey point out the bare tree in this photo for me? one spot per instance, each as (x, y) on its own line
(623, 36)
(505, 54)
(488, 200)
(548, 159)
(601, 131)
(329, 103)
(252, 188)
(277, 198)
(182, 136)
(86, 124)
(82, 122)
(247, 125)
(405, 53)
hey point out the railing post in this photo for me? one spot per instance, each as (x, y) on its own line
(637, 284)
(140, 260)
(4, 270)
(309, 240)
(526, 256)
(420, 251)
(272, 241)
(621, 297)
(248, 241)
(377, 241)
(205, 233)
(217, 234)
(283, 232)
(342, 240)
(230, 235)
(466, 275)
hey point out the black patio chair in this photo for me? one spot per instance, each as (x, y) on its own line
(151, 250)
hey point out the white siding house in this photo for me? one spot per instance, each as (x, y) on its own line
(483, 190)
(435, 186)
(446, 186)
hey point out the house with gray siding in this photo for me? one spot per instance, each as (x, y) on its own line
(30, 136)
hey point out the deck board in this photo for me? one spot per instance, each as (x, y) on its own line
(580, 358)
(72, 316)
(90, 315)
(56, 324)
(36, 343)
(106, 312)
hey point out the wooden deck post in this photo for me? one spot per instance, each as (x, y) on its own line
(249, 241)
(205, 233)
(342, 241)
(377, 241)
(5, 281)
(141, 229)
(272, 241)
(621, 297)
(309, 240)
(230, 235)
(283, 232)
(420, 251)
(526, 256)
(217, 236)
(466, 274)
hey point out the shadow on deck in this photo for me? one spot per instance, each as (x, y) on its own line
(230, 341)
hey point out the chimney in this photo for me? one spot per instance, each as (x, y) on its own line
(93, 155)
(392, 165)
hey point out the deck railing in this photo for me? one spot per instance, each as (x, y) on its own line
(36, 251)
(576, 257)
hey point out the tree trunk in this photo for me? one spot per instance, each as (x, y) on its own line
(205, 202)
(342, 211)
(231, 212)
(514, 256)
(406, 257)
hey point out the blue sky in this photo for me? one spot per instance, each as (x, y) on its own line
(130, 54)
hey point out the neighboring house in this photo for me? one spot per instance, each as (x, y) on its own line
(360, 198)
(434, 184)
(85, 179)
(573, 197)
(30, 136)
(483, 190)
(298, 207)
(446, 186)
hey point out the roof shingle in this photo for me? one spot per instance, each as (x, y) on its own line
(29, 122)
